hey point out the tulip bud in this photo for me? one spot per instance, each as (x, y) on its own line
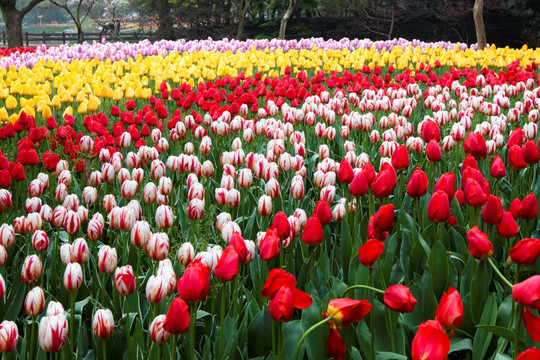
(19, 224)
(46, 213)
(158, 334)
(196, 209)
(167, 272)
(140, 233)
(129, 189)
(79, 251)
(31, 270)
(149, 193)
(7, 235)
(35, 189)
(109, 202)
(9, 334)
(186, 252)
(58, 216)
(34, 303)
(3, 255)
(124, 281)
(107, 259)
(158, 246)
(164, 217)
(72, 222)
(60, 193)
(40, 241)
(55, 308)
(65, 254)
(94, 230)
(156, 289)
(73, 277)
(264, 205)
(103, 323)
(71, 202)
(53, 332)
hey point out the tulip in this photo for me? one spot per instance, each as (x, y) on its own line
(158, 246)
(449, 313)
(156, 289)
(323, 212)
(345, 172)
(193, 286)
(400, 158)
(528, 207)
(384, 218)
(497, 169)
(335, 346)
(107, 259)
(109, 203)
(418, 183)
(19, 225)
(149, 193)
(370, 252)
(529, 354)
(313, 231)
(103, 323)
(474, 193)
(164, 217)
(72, 222)
(269, 245)
(53, 332)
(525, 252)
(196, 209)
(383, 184)
(447, 183)
(165, 185)
(527, 292)
(492, 212)
(94, 230)
(399, 298)
(3, 256)
(346, 311)
(7, 235)
(31, 270)
(32, 205)
(438, 207)
(507, 227)
(232, 199)
(430, 342)
(40, 241)
(140, 233)
(186, 252)
(479, 245)
(6, 200)
(124, 281)
(158, 334)
(177, 318)
(9, 335)
(129, 189)
(532, 324)
(281, 224)
(34, 303)
(433, 151)
(73, 277)
(264, 205)
(227, 266)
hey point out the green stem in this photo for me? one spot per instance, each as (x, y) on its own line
(503, 278)
(222, 317)
(323, 321)
(274, 352)
(279, 340)
(192, 330)
(518, 329)
(32, 338)
(390, 328)
(104, 345)
(128, 341)
(173, 347)
(72, 319)
(372, 317)
(359, 287)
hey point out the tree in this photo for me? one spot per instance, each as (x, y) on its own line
(285, 19)
(242, 7)
(78, 10)
(13, 19)
(478, 14)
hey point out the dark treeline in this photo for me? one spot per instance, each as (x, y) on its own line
(508, 22)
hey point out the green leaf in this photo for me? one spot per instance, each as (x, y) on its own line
(482, 338)
(292, 332)
(440, 268)
(315, 343)
(386, 355)
(346, 248)
(499, 331)
(479, 290)
(460, 344)
(259, 340)
(501, 356)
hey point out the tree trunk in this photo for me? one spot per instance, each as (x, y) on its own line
(165, 30)
(80, 35)
(13, 20)
(478, 14)
(242, 10)
(285, 19)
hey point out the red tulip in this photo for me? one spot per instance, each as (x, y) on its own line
(276, 279)
(507, 227)
(193, 286)
(227, 266)
(399, 298)
(514, 208)
(497, 169)
(529, 354)
(177, 319)
(335, 346)
(438, 209)
(430, 342)
(449, 313)
(528, 207)
(239, 245)
(433, 151)
(418, 183)
(269, 245)
(493, 211)
(469, 161)
(430, 131)
(359, 185)
(346, 311)
(282, 305)
(382, 185)
(530, 152)
(475, 145)
(345, 172)
(515, 158)
(460, 196)
(516, 138)
(17, 173)
(281, 224)
(384, 218)
(400, 158)
(479, 245)
(527, 292)
(532, 324)
(313, 231)
(447, 183)
(370, 252)
(323, 212)
(525, 252)
(474, 193)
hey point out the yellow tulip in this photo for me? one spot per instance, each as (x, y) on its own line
(68, 111)
(11, 102)
(46, 112)
(118, 94)
(13, 118)
(3, 115)
(82, 108)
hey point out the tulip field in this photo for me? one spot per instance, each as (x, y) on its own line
(269, 199)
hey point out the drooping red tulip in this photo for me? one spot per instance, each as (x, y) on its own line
(399, 298)
(335, 346)
(345, 311)
(479, 245)
(239, 245)
(370, 252)
(532, 324)
(525, 252)
(527, 292)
